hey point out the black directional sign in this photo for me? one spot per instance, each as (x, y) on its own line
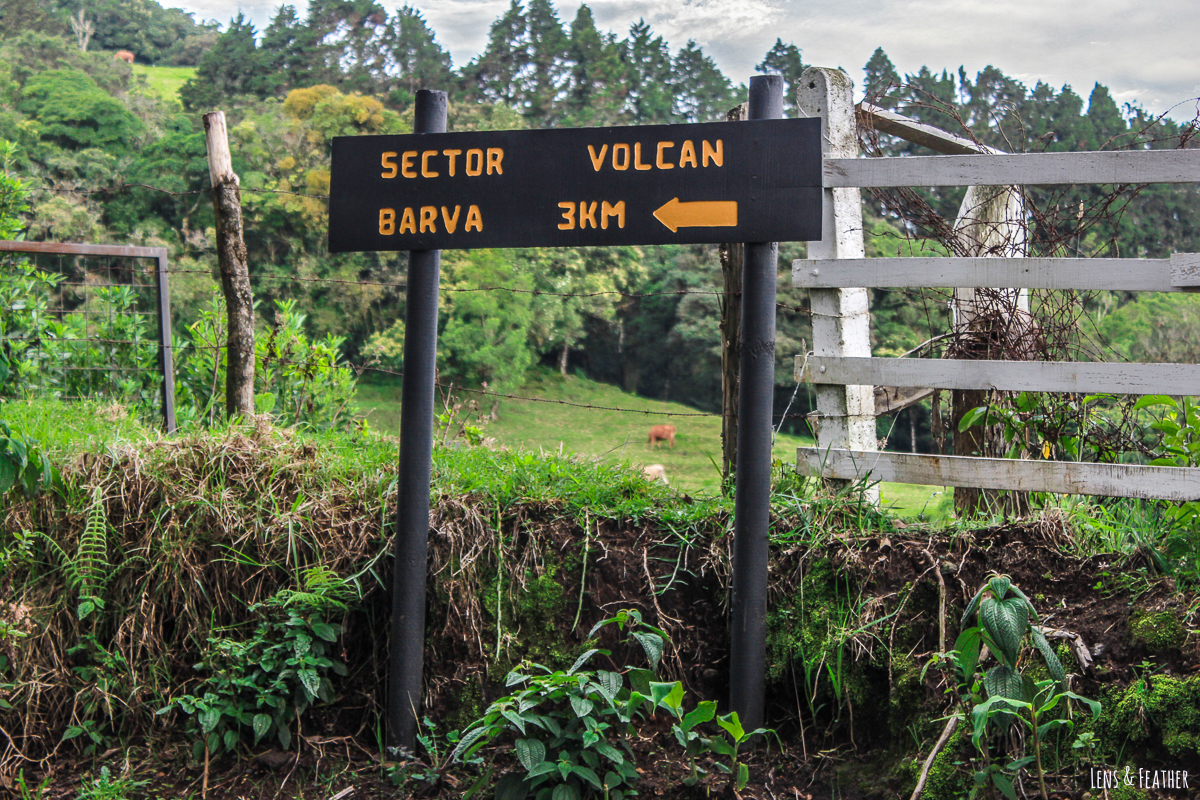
(756, 181)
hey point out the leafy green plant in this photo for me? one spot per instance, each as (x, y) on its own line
(428, 770)
(992, 699)
(737, 737)
(570, 727)
(726, 741)
(106, 786)
(296, 380)
(670, 697)
(255, 687)
(23, 465)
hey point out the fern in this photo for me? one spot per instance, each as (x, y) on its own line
(87, 573)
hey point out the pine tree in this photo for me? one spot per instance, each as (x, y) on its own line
(596, 74)
(352, 40)
(415, 59)
(548, 69)
(651, 84)
(288, 52)
(497, 74)
(233, 66)
(1106, 119)
(784, 59)
(702, 92)
(881, 79)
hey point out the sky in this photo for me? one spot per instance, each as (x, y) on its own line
(1145, 52)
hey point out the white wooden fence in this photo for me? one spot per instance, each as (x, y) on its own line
(837, 277)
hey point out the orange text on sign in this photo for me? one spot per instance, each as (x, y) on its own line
(426, 219)
(622, 156)
(473, 162)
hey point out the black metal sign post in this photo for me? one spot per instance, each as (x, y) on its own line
(752, 493)
(407, 646)
(756, 181)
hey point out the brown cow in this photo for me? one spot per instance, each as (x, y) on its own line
(662, 433)
(124, 55)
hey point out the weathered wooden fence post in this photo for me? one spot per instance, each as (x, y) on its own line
(840, 317)
(730, 302)
(166, 350)
(235, 272)
(752, 493)
(407, 647)
(990, 223)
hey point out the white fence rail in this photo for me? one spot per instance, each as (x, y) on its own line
(1061, 477)
(1033, 169)
(831, 364)
(1179, 273)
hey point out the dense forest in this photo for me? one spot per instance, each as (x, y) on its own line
(108, 160)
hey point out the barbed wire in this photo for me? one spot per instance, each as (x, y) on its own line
(125, 187)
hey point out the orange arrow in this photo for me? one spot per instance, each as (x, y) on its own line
(700, 214)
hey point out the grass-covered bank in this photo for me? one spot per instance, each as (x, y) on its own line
(168, 573)
(577, 415)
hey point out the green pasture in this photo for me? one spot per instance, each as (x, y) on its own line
(583, 420)
(164, 82)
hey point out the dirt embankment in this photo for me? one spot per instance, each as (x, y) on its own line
(198, 532)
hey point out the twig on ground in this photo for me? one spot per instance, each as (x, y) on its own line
(947, 732)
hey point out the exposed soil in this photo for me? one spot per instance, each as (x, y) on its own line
(483, 620)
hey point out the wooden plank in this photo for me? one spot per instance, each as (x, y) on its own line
(1012, 376)
(891, 399)
(74, 249)
(1185, 270)
(1061, 477)
(1034, 169)
(909, 129)
(1114, 274)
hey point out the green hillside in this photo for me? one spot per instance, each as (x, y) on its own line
(163, 82)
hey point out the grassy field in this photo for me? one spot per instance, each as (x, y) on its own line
(163, 81)
(692, 465)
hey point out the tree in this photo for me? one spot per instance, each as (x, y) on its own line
(415, 59)
(486, 334)
(152, 33)
(75, 113)
(547, 74)
(1107, 123)
(784, 59)
(881, 77)
(650, 76)
(703, 93)
(579, 286)
(351, 38)
(14, 194)
(498, 72)
(596, 74)
(288, 53)
(233, 66)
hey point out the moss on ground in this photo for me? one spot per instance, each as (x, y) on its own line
(1158, 632)
(1160, 714)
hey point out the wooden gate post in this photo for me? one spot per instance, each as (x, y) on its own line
(990, 223)
(840, 317)
(235, 272)
(730, 301)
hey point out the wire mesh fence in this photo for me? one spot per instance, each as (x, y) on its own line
(85, 322)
